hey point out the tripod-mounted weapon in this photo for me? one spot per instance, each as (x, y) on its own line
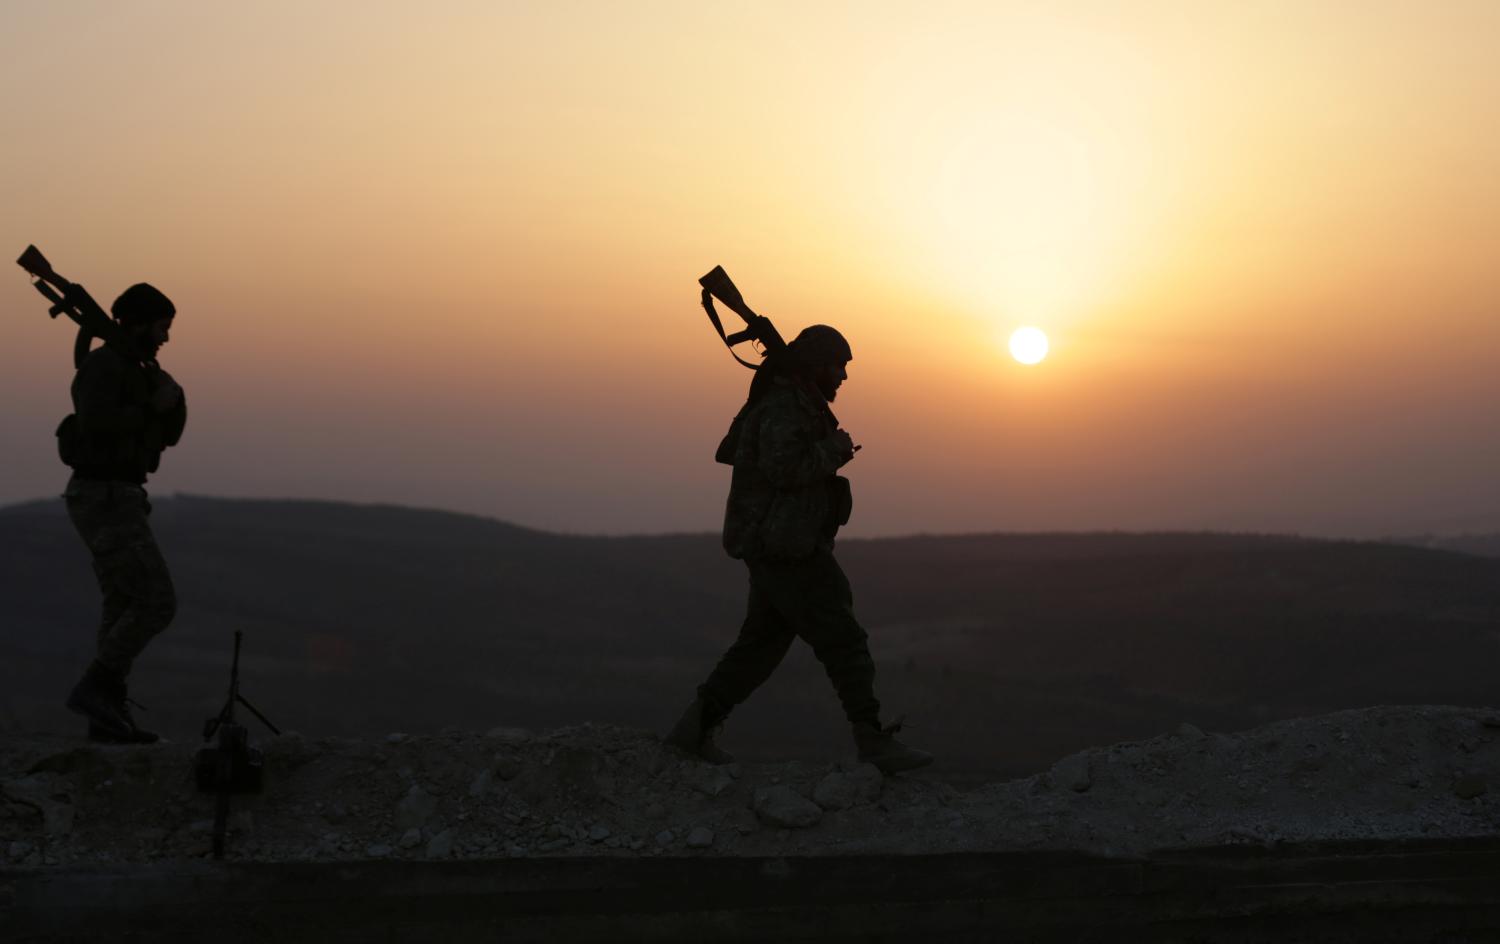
(232, 766)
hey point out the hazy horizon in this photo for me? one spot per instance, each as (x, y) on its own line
(448, 258)
(1484, 528)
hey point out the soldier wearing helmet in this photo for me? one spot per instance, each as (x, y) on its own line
(127, 410)
(786, 504)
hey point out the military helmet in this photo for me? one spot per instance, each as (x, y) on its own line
(142, 304)
(817, 345)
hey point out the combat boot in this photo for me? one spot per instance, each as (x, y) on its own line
(879, 746)
(690, 736)
(137, 735)
(96, 698)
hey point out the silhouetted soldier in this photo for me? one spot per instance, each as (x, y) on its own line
(126, 411)
(786, 503)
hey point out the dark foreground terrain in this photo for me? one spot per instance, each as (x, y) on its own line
(1374, 825)
(1004, 651)
(1370, 893)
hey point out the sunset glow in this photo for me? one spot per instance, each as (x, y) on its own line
(448, 256)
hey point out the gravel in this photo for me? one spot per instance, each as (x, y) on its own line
(601, 790)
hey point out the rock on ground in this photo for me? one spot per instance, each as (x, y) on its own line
(841, 789)
(783, 806)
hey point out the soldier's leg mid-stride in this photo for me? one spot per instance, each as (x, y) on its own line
(797, 599)
(139, 600)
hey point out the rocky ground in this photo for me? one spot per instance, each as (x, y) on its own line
(1376, 773)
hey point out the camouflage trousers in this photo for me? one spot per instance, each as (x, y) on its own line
(807, 598)
(139, 600)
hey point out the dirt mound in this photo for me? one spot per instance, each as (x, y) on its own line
(592, 790)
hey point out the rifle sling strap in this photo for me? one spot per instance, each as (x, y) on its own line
(713, 316)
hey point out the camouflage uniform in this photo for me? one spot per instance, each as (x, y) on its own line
(116, 442)
(785, 505)
(785, 499)
(139, 600)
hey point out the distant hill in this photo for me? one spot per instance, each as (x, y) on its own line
(1486, 545)
(1005, 651)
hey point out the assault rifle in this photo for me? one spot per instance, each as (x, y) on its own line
(717, 284)
(233, 766)
(73, 300)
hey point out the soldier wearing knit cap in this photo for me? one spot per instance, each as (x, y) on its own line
(786, 504)
(127, 410)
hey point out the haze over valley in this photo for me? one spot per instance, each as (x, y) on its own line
(1005, 652)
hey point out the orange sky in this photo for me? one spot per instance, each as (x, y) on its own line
(449, 258)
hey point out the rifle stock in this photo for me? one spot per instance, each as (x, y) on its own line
(722, 287)
(35, 263)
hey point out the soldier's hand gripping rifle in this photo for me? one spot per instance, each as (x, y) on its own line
(232, 766)
(73, 300)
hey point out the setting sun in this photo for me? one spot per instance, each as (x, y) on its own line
(1028, 345)
(1203, 202)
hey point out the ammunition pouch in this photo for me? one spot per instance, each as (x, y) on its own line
(730, 444)
(841, 500)
(69, 449)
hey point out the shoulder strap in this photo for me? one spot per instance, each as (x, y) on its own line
(729, 340)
